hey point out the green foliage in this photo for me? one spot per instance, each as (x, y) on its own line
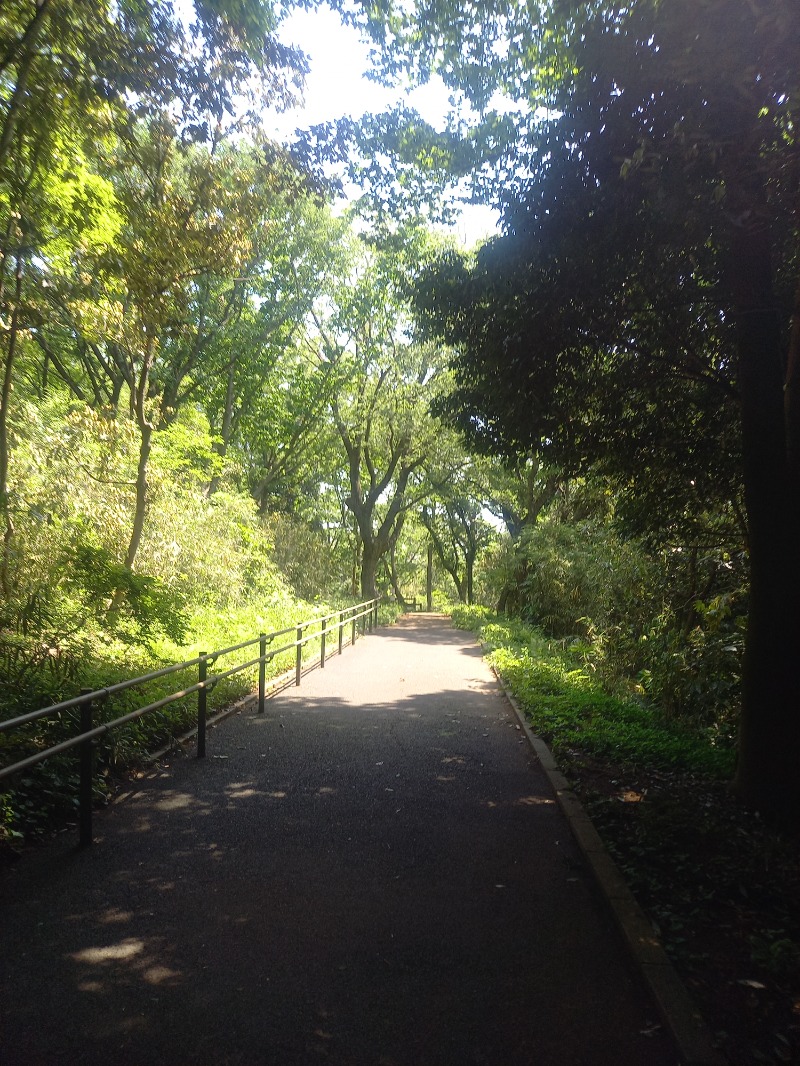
(78, 617)
(667, 624)
(184, 325)
(472, 617)
(571, 710)
(580, 578)
(696, 674)
(775, 952)
(380, 407)
(453, 516)
(634, 317)
(144, 603)
(310, 559)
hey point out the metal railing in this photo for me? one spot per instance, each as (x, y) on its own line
(361, 617)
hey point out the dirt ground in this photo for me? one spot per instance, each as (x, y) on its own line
(723, 892)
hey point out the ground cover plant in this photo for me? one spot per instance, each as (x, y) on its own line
(719, 885)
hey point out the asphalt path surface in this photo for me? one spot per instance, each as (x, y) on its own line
(372, 873)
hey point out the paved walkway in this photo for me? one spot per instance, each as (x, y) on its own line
(373, 873)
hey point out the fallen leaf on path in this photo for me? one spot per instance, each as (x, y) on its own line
(651, 1031)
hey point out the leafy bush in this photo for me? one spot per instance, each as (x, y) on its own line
(696, 674)
(311, 562)
(464, 617)
(145, 605)
(582, 578)
(667, 624)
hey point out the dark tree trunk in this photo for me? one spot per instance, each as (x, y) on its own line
(429, 580)
(5, 404)
(768, 772)
(449, 562)
(356, 568)
(391, 570)
(16, 104)
(370, 557)
(140, 510)
(469, 580)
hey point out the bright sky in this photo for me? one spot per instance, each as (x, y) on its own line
(336, 86)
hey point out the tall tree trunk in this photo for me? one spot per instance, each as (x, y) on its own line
(146, 429)
(768, 772)
(450, 563)
(5, 404)
(429, 579)
(140, 510)
(391, 570)
(27, 50)
(356, 571)
(370, 557)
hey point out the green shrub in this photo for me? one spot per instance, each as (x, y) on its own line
(666, 624)
(314, 566)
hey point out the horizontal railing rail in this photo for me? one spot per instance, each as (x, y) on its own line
(361, 616)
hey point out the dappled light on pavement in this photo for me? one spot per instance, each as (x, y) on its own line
(374, 871)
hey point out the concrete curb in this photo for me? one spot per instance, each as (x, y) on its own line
(679, 1015)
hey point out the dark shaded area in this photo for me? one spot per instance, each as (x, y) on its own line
(375, 875)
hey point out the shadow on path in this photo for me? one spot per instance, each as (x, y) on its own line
(374, 872)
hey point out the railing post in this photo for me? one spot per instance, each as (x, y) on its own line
(202, 705)
(322, 643)
(262, 670)
(369, 620)
(353, 630)
(376, 614)
(341, 630)
(86, 756)
(299, 662)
